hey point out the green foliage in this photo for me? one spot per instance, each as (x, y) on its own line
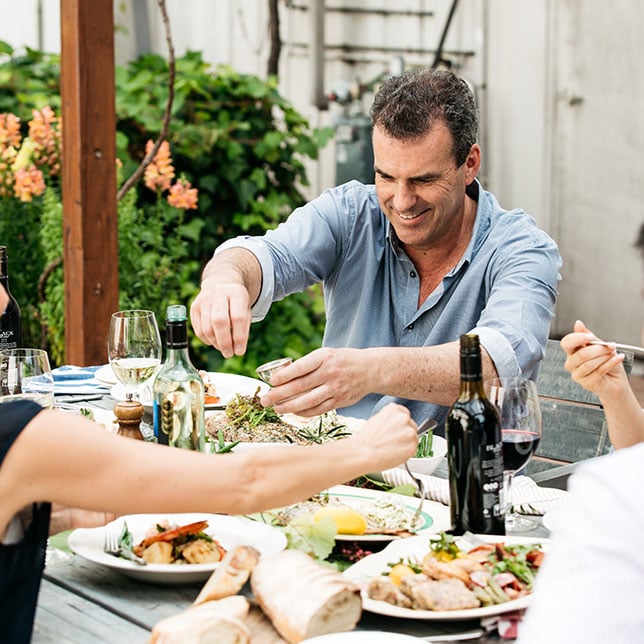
(231, 135)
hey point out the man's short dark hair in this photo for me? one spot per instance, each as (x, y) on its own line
(407, 106)
(639, 243)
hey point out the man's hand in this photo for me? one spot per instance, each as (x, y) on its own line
(221, 313)
(322, 380)
(221, 317)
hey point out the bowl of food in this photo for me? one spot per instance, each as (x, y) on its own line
(430, 452)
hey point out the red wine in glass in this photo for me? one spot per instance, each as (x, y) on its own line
(518, 447)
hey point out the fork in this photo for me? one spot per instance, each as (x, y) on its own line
(111, 547)
(421, 490)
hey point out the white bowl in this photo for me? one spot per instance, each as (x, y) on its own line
(429, 464)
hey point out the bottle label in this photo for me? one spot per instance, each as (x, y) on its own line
(492, 470)
(7, 339)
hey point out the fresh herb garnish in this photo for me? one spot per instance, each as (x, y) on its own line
(248, 411)
(425, 448)
(221, 446)
(327, 429)
(444, 546)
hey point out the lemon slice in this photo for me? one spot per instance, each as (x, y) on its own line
(347, 520)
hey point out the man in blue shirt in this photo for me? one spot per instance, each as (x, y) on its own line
(407, 265)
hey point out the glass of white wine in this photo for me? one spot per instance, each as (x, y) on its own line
(25, 374)
(134, 349)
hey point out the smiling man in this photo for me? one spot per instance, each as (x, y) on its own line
(407, 266)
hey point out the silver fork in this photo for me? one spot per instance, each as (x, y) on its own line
(111, 547)
(421, 490)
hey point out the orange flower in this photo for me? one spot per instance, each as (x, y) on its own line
(183, 195)
(45, 132)
(9, 131)
(159, 174)
(29, 182)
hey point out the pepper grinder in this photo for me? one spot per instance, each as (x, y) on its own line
(129, 413)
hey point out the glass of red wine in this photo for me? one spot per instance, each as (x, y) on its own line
(517, 402)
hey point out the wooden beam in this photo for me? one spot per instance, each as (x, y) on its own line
(89, 177)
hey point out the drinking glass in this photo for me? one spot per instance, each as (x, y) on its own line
(517, 402)
(25, 374)
(134, 349)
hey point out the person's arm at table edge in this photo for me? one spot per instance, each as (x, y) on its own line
(76, 464)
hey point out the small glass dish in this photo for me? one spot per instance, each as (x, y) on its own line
(266, 370)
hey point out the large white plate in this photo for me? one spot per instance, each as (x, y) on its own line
(228, 385)
(364, 637)
(434, 517)
(374, 565)
(228, 530)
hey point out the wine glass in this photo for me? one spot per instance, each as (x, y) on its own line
(517, 401)
(134, 349)
(25, 374)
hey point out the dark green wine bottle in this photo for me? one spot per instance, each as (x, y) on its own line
(474, 451)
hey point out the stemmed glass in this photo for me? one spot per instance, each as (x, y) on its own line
(517, 401)
(26, 374)
(134, 349)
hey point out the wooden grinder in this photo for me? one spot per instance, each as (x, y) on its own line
(129, 413)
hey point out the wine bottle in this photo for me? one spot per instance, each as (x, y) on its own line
(474, 451)
(178, 390)
(11, 318)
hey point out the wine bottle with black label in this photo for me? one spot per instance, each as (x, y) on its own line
(11, 318)
(178, 390)
(475, 450)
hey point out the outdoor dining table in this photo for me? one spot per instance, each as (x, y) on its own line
(81, 601)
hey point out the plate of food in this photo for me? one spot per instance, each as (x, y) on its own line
(365, 515)
(449, 578)
(177, 548)
(247, 422)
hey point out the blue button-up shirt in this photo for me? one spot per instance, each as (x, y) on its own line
(504, 287)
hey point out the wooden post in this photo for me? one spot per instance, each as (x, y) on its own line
(89, 177)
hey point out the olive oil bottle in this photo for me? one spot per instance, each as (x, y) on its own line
(178, 390)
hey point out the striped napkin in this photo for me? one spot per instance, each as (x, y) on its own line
(69, 379)
(526, 496)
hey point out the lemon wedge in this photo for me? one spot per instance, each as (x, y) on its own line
(347, 520)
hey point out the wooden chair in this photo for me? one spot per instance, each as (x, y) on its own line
(574, 425)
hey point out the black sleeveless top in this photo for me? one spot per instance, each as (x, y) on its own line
(22, 563)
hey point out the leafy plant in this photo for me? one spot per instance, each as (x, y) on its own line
(232, 136)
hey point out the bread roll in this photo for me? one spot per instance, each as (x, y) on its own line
(215, 622)
(230, 576)
(303, 598)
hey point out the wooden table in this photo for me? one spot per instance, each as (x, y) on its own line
(83, 602)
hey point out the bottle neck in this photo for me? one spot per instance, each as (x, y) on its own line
(177, 341)
(471, 374)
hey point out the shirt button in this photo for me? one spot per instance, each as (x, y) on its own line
(410, 327)
(412, 274)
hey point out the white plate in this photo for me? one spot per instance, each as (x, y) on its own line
(230, 531)
(364, 637)
(435, 516)
(228, 385)
(105, 375)
(374, 565)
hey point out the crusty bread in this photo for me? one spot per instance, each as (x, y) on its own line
(214, 622)
(303, 598)
(230, 576)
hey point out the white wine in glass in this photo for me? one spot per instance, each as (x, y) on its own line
(134, 348)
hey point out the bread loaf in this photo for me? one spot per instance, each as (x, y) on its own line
(214, 622)
(303, 598)
(230, 575)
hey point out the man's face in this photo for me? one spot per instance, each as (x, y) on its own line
(420, 189)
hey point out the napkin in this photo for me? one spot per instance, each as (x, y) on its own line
(69, 379)
(526, 496)
(506, 624)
